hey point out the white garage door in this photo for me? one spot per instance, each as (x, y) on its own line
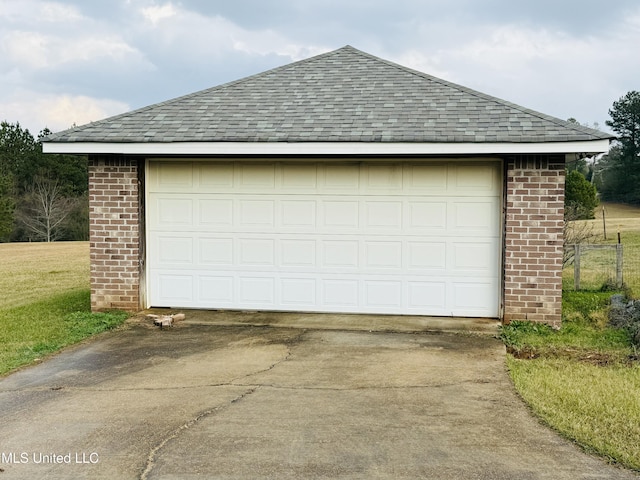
(401, 238)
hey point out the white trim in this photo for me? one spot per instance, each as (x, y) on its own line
(322, 148)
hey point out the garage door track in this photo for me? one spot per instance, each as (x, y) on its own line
(239, 402)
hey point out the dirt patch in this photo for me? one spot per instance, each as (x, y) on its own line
(600, 359)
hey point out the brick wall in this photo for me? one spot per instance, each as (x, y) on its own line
(114, 233)
(533, 236)
(533, 239)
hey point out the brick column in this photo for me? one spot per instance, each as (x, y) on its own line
(114, 233)
(533, 239)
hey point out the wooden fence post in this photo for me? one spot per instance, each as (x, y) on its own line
(576, 266)
(619, 265)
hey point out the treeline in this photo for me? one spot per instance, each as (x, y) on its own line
(617, 174)
(43, 197)
(615, 177)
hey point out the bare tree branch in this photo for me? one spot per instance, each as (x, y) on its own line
(45, 209)
(575, 232)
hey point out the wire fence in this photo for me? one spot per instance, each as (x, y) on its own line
(604, 267)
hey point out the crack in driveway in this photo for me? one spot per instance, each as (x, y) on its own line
(151, 459)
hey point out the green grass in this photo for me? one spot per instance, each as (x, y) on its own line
(597, 407)
(583, 380)
(33, 271)
(30, 332)
(44, 301)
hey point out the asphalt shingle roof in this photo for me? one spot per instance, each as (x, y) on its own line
(342, 96)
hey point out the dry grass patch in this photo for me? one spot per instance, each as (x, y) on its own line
(33, 271)
(618, 217)
(596, 406)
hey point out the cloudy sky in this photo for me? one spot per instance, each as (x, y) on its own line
(69, 62)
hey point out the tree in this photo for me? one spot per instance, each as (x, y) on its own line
(7, 207)
(580, 202)
(44, 210)
(23, 167)
(19, 154)
(580, 196)
(623, 174)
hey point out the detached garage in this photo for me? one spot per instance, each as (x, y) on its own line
(341, 183)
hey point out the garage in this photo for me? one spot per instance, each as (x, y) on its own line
(339, 183)
(410, 237)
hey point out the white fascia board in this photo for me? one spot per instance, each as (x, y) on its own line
(323, 148)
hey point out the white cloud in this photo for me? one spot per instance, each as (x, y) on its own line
(37, 50)
(195, 34)
(57, 112)
(552, 71)
(155, 13)
(37, 11)
(54, 12)
(430, 64)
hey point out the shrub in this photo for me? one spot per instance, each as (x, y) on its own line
(580, 196)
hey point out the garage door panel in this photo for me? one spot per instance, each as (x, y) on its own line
(216, 290)
(369, 238)
(382, 215)
(214, 176)
(474, 215)
(337, 294)
(474, 179)
(175, 288)
(298, 292)
(340, 216)
(340, 179)
(256, 252)
(298, 213)
(426, 255)
(426, 216)
(474, 297)
(382, 179)
(298, 253)
(215, 251)
(215, 212)
(256, 177)
(257, 291)
(383, 293)
(426, 179)
(473, 258)
(301, 178)
(174, 212)
(385, 255)
(252, 213)
(343, 254)
(173, 176)
(427, 295)
(174, 251)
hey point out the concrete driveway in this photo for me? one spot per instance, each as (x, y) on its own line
(239, 402)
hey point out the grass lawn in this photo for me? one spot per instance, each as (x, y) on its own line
(583, 380)
(44, 301)
(33, 271)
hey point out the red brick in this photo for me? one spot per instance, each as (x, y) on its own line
(115, 275)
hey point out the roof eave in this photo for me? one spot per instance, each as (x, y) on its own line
(588, 147)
